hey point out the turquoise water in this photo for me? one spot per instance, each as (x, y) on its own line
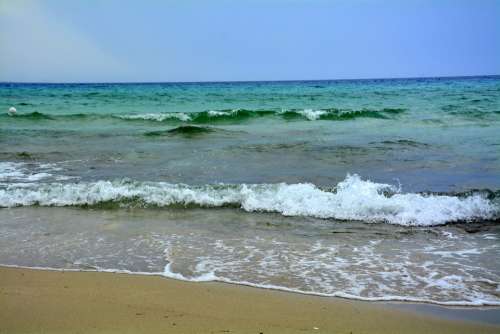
(430, 134)
(289, 185)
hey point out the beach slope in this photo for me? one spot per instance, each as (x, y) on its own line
(37, 301)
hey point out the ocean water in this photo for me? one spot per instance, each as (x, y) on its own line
(366, 189)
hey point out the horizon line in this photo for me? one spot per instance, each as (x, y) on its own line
(247, 81)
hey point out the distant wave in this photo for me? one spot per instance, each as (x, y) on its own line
(220, 116)
(236, 115)
(158, 117)
(351, 199)
(31, 115)
(184, 130)
(42, 116)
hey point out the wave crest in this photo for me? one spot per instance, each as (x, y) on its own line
(235, 115)
(220, 116)
(352, 199)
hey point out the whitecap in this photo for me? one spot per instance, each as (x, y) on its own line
(311, 114)
(159, 117)
(354, 199)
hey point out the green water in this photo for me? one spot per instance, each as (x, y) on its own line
(370, 189)
(430, 134)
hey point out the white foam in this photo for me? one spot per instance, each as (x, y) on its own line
(314, 115)
(215, 113)
(159, 117)
(355, 199)
(206, 277)
(214, 278)
(327, 270)
(11, 170)
(172, 275)
(352, 266)
(24, 172)
(311, 114)
(322, 270)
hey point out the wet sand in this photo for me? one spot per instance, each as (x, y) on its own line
(38, 301)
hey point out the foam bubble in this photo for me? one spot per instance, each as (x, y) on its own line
(354, 199)
(159, 117)
(28, 172)
(216, 113)
(206, 277)
(366, 272)
(311, 114)
(11, 170)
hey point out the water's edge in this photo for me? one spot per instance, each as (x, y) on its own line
(179, 277)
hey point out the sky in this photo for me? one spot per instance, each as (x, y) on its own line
(223, 40)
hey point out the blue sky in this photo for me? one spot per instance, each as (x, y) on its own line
(112, 40)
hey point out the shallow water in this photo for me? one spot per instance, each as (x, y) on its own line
(446, 264)
(370, 189)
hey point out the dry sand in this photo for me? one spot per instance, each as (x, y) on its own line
(36, 301)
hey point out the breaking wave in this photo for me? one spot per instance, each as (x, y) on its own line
(221, 116)
(352, 199)
(29, 172)
(235, 115)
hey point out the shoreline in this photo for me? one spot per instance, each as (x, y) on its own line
(35, 300)
(423, 303)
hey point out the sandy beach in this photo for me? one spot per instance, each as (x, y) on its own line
(264, 167)
(37, 301)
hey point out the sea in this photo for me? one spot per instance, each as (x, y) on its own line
(380, 190)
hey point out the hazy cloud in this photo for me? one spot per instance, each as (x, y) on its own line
(199, 40)
(36, 46)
